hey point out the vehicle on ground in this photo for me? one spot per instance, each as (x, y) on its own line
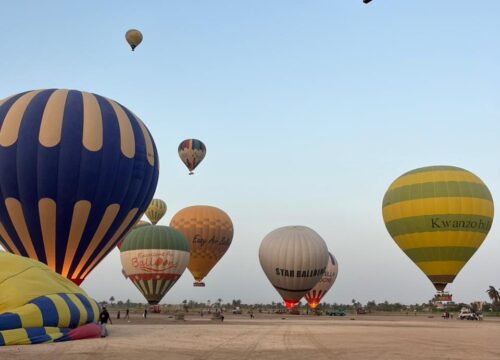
(336, 312)
(467, 314)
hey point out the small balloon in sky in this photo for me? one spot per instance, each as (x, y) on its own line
(156, 210)
(134, 38)
(192, 152)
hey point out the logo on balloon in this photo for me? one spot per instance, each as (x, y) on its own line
(156, 261)
(198, 240)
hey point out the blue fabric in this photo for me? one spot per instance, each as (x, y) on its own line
(68, 172)
(48, 310)
(88, 307)
(37, 335)
(10, 321)
(73, 311)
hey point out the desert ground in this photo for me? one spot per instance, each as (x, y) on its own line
(277, 337)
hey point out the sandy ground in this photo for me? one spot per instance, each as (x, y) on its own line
(279, 337)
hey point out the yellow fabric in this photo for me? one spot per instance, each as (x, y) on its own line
(23, 279)
(436, 206)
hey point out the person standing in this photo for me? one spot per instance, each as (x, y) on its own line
(103, 320)
(145, 313)
(126, 314)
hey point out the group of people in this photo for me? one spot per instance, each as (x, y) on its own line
(447, 315)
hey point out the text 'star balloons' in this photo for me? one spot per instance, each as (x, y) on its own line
(77, 170)
(439, 216)
(317, 293)
(209, 232)
(192, 152)
(294, 259)
(154, 258)
(134, 38)
(156, 210)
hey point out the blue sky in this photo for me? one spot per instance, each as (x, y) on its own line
(309, 110)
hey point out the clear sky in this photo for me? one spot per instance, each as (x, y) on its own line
(309, 110)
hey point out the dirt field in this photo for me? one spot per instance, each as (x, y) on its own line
(279, 337)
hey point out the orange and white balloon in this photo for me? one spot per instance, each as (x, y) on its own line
(315, 295)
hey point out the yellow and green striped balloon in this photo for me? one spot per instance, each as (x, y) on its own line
(439, 216)
(156, 209)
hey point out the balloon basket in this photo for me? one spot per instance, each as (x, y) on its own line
(199, 284)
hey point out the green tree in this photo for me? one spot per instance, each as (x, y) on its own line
(493, 294)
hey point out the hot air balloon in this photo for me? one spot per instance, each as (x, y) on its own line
(134, 38)
(192, 152)
(154, 258)
(294, 259)
(439, 216)
(138, 224)
(315, 295)
(77, 170)
(156, 210)
(37, 305)
(209, 232)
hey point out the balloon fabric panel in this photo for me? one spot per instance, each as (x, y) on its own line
(87, 171)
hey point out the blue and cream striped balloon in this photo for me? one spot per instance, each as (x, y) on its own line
(77, 170)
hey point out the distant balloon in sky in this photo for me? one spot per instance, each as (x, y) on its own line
(315, 295)
(134, 38)
(367, 1)
(77, 170)
(209, 232)
(156, 210)
(294, 259)
(192, 152)
(439, 216)
(154, 258)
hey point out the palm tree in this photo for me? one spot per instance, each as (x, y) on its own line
(493, 294)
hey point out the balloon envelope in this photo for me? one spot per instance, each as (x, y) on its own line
(156, 210)
(77, 170)
(37, 305)
(317, 293)
(439, 216)
(209, 232)
(192, 152)
(134, 38)
(138, 224)
(154, 258)
(294, 259)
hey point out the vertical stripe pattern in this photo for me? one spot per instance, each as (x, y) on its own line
(153, 258)
(78, 170)
(317, 293)
(156, 210)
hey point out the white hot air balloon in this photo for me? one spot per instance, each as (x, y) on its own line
(315, 295)
(294, 258)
